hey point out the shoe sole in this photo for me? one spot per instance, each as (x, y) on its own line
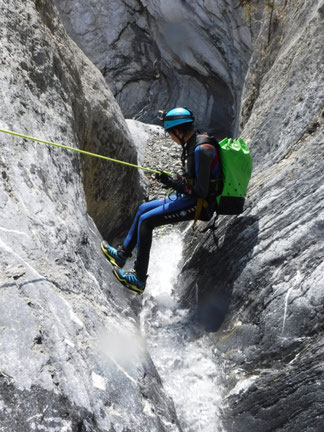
(131, 287)
(110, 258)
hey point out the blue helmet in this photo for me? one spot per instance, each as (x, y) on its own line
(175, 117)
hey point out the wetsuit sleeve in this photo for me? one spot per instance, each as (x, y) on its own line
(204, 155)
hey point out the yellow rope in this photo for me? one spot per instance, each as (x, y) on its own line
(80, 151)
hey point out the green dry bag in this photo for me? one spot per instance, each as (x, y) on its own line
(236, 164)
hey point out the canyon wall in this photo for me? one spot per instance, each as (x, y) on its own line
(259, 278)
(65, 323)
(165, 53)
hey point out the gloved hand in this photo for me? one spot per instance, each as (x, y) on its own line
(178, 183)
(164, 178)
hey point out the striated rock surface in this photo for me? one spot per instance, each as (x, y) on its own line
(71, 357)
(260, 285)
(63, 86)
(257, 288)
(163, 53)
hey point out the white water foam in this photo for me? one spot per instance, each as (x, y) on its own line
(182, 355)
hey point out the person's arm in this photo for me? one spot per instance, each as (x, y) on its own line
(177, 183)
(204, 156)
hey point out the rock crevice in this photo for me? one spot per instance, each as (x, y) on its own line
(151, 53)
(264, 280)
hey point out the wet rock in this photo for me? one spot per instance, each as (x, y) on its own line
(256, 285)
(260, 284)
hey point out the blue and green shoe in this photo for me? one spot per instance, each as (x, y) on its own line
(130, 280)
(117, 257)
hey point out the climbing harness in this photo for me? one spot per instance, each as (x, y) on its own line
(201, 203)
(81, 151)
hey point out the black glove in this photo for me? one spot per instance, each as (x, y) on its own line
(164, 178)
(178, 184)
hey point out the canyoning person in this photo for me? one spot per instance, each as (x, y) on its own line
(193, 197)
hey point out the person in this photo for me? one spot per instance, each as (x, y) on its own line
(193, 198)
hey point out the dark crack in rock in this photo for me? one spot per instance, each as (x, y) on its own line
(167, 53)
(257, 282)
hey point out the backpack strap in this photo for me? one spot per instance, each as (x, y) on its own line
(215, 184)
(206, 139)
(201, 203)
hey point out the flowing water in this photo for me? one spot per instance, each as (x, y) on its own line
(181, 352)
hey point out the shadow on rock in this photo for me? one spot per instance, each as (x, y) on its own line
(210, 274)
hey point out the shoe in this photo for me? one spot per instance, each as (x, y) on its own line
(117, 257)
(130, 280)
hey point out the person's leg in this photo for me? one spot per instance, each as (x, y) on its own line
(169, 212)
(131, 238)
(179, 210)
(118, 256)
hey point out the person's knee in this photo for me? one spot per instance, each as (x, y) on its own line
(145, 226)
(142, 209)
(144, 222)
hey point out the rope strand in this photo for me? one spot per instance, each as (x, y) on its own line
(80, 151)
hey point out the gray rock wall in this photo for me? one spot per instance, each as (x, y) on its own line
(63, 86)
(260, 289)
(166, 53)
(64, 322)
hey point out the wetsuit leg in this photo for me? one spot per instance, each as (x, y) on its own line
(131, 239)
(182, 209)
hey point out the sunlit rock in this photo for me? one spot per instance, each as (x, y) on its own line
(71, 356)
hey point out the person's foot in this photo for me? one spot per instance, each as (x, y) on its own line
(117, 256)
(130, 280)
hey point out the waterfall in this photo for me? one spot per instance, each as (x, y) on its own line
(181, 352)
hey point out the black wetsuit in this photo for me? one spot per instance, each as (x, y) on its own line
(202, 165)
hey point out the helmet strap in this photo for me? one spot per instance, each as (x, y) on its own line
(184, 155)
(184, 148)
(184, 151)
